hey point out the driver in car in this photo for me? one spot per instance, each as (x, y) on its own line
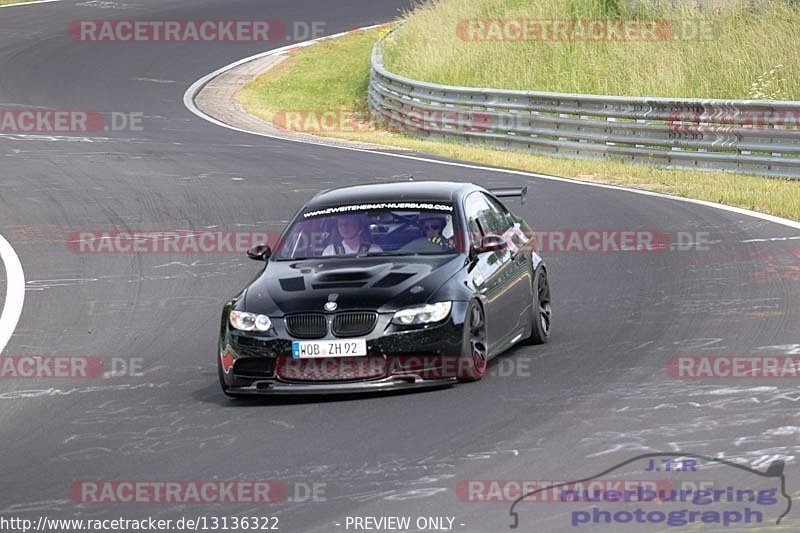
(354, 231)
(432, 227)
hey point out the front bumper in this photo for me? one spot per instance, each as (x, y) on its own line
(252, 363)
(279, 388)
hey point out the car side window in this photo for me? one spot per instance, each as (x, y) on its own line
(517, 234)
(488, 215)
(474, 207)
(498, 217)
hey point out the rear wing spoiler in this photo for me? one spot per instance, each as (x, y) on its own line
(511, 192)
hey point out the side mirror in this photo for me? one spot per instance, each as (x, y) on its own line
(259, 252)
(492, 243)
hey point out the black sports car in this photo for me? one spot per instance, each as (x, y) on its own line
(381, 287)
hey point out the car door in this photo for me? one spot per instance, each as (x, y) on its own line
(493, 273)
(518, 280)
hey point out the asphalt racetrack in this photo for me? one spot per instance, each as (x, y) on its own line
(598, 394)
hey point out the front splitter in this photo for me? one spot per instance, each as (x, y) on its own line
(275, 387)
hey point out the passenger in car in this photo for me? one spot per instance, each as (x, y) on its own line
(355, 237)
(432, 227)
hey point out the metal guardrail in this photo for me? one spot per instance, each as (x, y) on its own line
(751, 136)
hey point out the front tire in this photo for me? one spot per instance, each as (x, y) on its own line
(542, 314)
(474, 359)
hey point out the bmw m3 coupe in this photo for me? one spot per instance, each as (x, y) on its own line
(383, 287)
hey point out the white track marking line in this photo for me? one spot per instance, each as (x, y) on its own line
(15, 285)
(15, 292)
(30, 3)
(774, 239)
(196, 87)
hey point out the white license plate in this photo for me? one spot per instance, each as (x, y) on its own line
(313, 349)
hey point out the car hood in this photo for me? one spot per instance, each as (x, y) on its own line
(384, 284)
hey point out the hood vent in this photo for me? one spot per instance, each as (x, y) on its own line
(392, 279)
(338, 285)
(344, 275)
(292, 284)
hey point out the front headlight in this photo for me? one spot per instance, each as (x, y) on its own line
(249, 321)
(422, 314)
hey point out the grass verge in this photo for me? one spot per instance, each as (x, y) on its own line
(739, 50)
(332, 77)
(6, 2)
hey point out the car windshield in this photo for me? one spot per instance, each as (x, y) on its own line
(348, 231)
